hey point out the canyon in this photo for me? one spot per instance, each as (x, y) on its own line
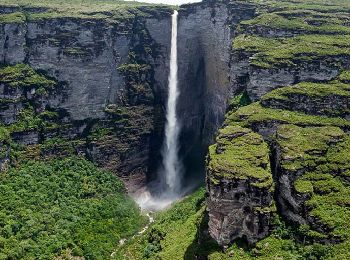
(263, 105)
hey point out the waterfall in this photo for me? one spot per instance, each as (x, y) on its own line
(171, 163)
(168, 187)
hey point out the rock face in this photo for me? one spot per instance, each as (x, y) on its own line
(240, 186)
(268, 54)
(205, 35)
(96, 87)
(92, 61)
(307, 144)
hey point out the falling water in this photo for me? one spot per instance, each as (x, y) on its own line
(170, 150)
(168, 187)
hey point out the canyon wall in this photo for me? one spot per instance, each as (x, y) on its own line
(205, 36)
(107, 70)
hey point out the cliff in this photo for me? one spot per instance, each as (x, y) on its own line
(293, 59)
(264, 93)
(110, 73)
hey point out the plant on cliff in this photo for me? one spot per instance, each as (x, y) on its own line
(48, 208)
(23, 76)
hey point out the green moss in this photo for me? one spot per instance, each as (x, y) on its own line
(24, 76)
(303, 21)
(16, 17)
(255, 113)
(300, 147)
(239, 100)
(345, 76)
(99, 131)
(302, 186)
(4, 135)
(90, 9)
(310, 89)
(270, 53)
(134, 68)
(320, 155)
(240, 153)
(314, 5)
(27, 119)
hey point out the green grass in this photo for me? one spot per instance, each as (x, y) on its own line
(268, 53)
(302, 21)
(315, 5)
(16, 17)
(313, 30)
(239, 153)
(345, 76)
(317, 90)
(49, 208)
(172, 234)
(23, 76)
(88, 9)
(256, 114)
(300, 147)
(178, 233)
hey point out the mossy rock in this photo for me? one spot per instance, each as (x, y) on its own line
(24, 76)
(239, 153)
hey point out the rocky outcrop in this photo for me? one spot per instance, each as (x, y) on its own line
(240, 187)
(307, 143)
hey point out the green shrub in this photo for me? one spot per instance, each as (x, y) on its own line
(49, 207)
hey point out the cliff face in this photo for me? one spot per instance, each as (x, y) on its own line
(205, 34)
(111, 74)
(301, 124)
(94, 84)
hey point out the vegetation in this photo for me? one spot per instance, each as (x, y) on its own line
(24, 76)
(306, 22)
(12, 18)
(179, 233)
(291, 51)
(255, 114)
(242, 154)
(108, 10)
(172, 233)
(345, 76)
(318, 90)
(302, 146)
(320, 154)
(240, 100)
(289, 33)
(49, 208)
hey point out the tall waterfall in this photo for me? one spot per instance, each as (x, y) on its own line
(171, 163)
(168, 187)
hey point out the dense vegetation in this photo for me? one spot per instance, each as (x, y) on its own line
(180, 233)
(172, 233)
(63, 207)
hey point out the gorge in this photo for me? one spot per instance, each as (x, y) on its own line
(249, 98)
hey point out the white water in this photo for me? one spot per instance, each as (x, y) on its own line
(169, 182)
(170, 151)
